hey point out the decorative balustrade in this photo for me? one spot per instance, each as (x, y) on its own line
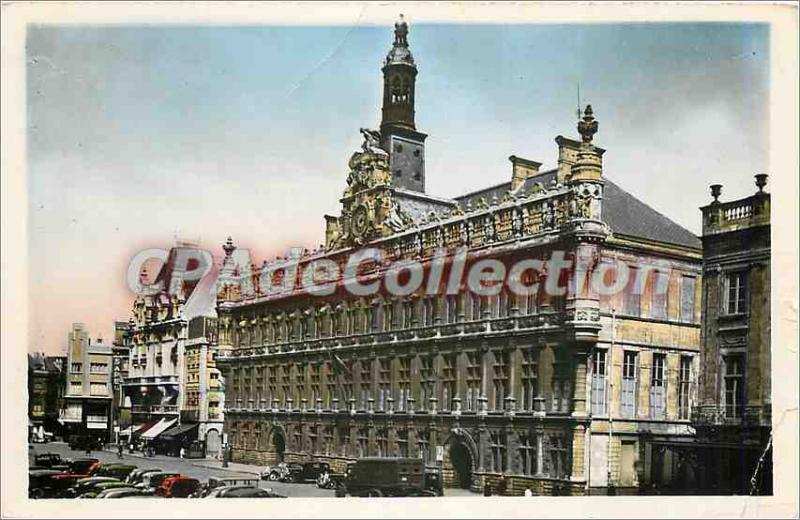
(542, 320)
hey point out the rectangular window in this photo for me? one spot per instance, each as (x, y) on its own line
(530, 376)
(501, 380)
(452, 309)
(366, 384)
(384, 383)
(629, 377)
(527, 453)
(631, 297)
(98, 368)
(427, 381)
(559, 456)
(403, 383)
(75, 367)
(658, 387)
(98, 389)
(314, 376)
(423, 444)
(286, 384)
(382, 442)
(362, 442)
(735, 293)
(402, 441)
(734, 385)
(561, 387)
(448, 380)
(474, 383)
(300, 384)
(658, 295)
(688, 286)
(497, 441)
(599, 383)
(685, 388)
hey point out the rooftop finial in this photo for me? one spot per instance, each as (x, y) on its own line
(587, 127)
(228, 247)
(401, 32)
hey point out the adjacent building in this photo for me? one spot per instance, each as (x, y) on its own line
(173, 385)
(734, 413)
(46, 382)
(87, 397)
(560, 394)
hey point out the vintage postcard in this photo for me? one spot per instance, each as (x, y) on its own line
(400, 260)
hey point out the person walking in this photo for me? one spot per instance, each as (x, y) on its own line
(183, 452)
(119, 451)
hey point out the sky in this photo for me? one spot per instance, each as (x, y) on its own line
(139, 135)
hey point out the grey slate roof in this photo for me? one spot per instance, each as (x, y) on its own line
(628, 215)
(623, 212)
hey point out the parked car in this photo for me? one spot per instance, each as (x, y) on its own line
(137, 475)
(84, 484)
(119, 471)
(307, 471)
(99, 487)
(177, 487)
(329, 480)
(62, 483)
(81, 465)
(47, 460)
(40, 482)
(391, 477)
(243, 492)
(85, 442)
(278, 472)
(120, 492)
(152, 480)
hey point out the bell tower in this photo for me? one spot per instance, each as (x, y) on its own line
(399, 136)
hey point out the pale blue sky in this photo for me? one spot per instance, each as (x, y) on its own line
(136, 133)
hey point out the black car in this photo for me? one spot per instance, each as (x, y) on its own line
(243, 492)
(85, 442)
(308, 471)
(47, 460)
(40, 482)
(80, 466)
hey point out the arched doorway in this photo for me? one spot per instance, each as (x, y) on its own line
(212, 442)
(461, 460)
(278, 444)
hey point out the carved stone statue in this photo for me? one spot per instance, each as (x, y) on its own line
(372, 142)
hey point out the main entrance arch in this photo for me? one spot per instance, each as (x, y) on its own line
(278, 443)
(462, 463)
(463, 455)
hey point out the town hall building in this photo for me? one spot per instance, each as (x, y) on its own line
(556, 393)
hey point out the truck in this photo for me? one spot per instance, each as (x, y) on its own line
(386, 477)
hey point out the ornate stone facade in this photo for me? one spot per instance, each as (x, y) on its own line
(512, 391)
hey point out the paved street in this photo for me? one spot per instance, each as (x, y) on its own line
(201, 469)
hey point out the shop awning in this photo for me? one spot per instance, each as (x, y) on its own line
(178, 430)
(140, 429)
(156, 430)
(127, 431)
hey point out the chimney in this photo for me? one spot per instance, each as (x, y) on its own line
(522, 169)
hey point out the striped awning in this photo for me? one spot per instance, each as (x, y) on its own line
(156, 430)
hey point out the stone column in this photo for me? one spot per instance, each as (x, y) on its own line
(580, 391)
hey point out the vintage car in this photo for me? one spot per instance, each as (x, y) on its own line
(82, 465)
(40, 482)
(84, 484)
(243, 492)
(137, 475)
(120, 492)
(177, 487)
(152, 480)
(85, 442)
(47, 460)
(118, 471)
(99, 487)
(390, 477)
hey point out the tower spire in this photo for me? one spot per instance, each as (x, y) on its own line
(398, 132)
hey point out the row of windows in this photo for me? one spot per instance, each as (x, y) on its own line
(389, 316)
(630, 385)
(537, 454)
(658, 291)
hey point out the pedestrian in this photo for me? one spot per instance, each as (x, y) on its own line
(119, 450)
(528, 492)
(183, 451)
